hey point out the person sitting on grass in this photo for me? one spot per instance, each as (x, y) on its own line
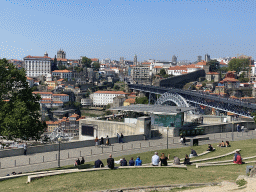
(237, 158)
(164, 159)
(155, 159)
(82, 161)
(227, 144)
(98, 164)
(187, 160)
(222, 144)
(138, 161)
(210, 148)
(77, 163)
(193, 153)
(110, 162)
(123, 162)
(176, 160)
(131, 162)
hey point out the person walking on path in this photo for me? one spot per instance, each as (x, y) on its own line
(107, 140)
(25, 148)
(101, 141)
(122, 138)
(118, 138)
(96, 141)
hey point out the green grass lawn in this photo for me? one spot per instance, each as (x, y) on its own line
(121, 178)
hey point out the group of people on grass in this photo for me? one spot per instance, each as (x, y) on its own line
(155, 161)
(224, 144)
(78, 162)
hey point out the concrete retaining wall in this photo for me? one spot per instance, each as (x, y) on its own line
(111, 128)
(213, 128)
(63, 146)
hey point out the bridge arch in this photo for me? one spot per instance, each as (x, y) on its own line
(174, 97)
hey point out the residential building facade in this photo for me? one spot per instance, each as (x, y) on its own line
(36, 66)
(102, 98)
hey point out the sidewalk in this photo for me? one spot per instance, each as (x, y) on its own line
(48, 160)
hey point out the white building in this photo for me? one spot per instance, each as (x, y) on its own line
(52, 100)
(105, 61)
(60, 97)
(44, 95)
(101, 98)
(63, 74)
(37, 66)
(177, 70)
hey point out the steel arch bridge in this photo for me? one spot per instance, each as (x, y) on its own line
(174, 97)
(235, 106)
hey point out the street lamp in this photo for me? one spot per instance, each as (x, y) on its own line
(233, 129)
(59, 140)
(167, 136)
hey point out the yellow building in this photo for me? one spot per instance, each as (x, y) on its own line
(51, 125)
(51, 84)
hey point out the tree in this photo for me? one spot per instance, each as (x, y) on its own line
(61, 66)
(19, 108)
(242, 78)
(54, 64)
(214, 65)
(162, 72)
(116, 87)
(239, 65)
(86, 62)
(141, 100)
(96, 66)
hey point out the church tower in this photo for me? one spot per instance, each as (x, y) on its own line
(135, 62)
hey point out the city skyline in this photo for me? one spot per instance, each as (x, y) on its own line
(123, 28)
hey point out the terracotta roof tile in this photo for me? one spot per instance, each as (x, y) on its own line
(110, 92)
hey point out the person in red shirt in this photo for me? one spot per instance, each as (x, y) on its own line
(237, 158)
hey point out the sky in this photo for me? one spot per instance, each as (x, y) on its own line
(122, 28)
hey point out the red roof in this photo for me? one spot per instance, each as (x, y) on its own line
(61, 71)
(178, 68)
(212, 73)
(111, 92)
(60, 59)
(28, 78)
(227, 79)
(94, 59)
(158, 67)
(146, 63)
(201, 63)
(131, 101)
(37, 57)
(38, 92)
(60, 95)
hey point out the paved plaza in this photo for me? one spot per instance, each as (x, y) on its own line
(40, 161)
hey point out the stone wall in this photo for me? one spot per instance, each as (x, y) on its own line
(63, 146)
(111, 128)
(177, 81)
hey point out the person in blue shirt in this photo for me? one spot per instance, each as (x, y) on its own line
(138, 161)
